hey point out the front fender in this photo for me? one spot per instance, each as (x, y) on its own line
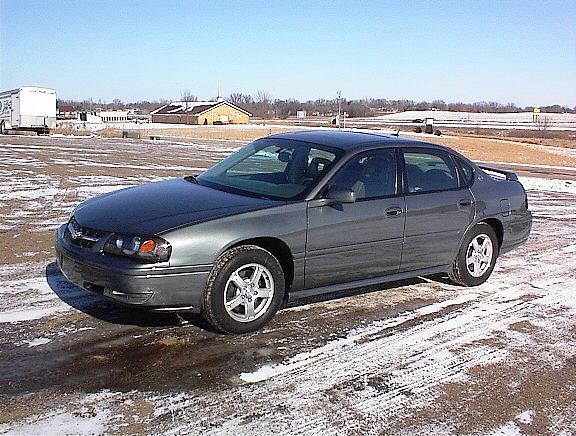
(202, 243)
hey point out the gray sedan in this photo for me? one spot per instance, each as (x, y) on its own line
(294, 215)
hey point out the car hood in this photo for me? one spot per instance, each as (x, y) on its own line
(156, 207)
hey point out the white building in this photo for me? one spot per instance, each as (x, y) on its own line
(114, 116)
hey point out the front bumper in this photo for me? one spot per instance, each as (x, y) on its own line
(125, 281)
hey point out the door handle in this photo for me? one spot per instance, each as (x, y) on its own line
(394, 211)
(465, 202)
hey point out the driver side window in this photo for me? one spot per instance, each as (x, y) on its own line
(370, 175)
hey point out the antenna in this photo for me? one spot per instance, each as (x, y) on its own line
(338, 119)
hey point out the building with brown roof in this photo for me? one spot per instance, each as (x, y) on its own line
(201, 112)
(66, 112)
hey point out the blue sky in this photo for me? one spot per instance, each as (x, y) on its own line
(506, 51)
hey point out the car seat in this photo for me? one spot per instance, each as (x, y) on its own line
(377, 177)
(437, 179)
(317, 167)
(415, 176)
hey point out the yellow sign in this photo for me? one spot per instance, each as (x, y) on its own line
(536, 110)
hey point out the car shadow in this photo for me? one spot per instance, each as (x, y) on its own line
(296, 301)
(302, 301)
(444, 279)
(98, 307)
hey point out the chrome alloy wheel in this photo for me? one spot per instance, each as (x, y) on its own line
(249, 292)
(479, 255)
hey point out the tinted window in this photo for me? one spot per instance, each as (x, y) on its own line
(467, 172)
(370, 175)
(277, 169)
(429, 171)
(268, 160)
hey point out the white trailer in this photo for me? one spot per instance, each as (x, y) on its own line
(28, 108)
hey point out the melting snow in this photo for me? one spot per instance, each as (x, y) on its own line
(88, 420)
(526, 417)
(38, 341)
(549, 185)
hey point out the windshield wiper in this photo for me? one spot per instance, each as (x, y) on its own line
(191, 179)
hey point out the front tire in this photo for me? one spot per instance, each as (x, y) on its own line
(476, 258)
(244, 290)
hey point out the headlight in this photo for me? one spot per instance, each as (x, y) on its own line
(150, 249)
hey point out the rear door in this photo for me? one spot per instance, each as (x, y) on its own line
(360, 240)
(15, 111)
(438, 209)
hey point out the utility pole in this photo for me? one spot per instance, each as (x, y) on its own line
(338, 119)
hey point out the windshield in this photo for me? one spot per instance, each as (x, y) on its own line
(278, 169)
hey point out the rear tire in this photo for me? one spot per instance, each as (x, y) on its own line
(244, 290)
(476, 257)
(2, 128)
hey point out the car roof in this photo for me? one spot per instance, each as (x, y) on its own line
(351, 141)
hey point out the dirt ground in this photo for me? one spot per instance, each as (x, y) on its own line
(483, 149)
(510, 150)
(499, 150)
(416, 357)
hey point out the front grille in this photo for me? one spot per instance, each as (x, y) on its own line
(83, 236)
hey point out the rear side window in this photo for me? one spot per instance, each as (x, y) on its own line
(429, 171)
(466, 170)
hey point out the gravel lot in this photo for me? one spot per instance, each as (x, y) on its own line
(414, 357)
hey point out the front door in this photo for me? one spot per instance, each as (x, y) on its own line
(359, 240)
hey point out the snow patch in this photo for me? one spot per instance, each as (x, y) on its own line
(549, 185)
(526, 417)
(38, 341)
(29, 314)
(64, 424)
(352, 339)
(508, 429)
(89, 419)
(39, 297)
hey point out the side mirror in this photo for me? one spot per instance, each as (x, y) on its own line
(337, 194)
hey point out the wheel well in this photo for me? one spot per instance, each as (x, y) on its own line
(498, 228)
(280, 250)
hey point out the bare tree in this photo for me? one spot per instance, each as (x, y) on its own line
(117, 104)
(262, 105)
(239, 98)
(235, 97)
(263, 97)
(188, 96)
(543, 124)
